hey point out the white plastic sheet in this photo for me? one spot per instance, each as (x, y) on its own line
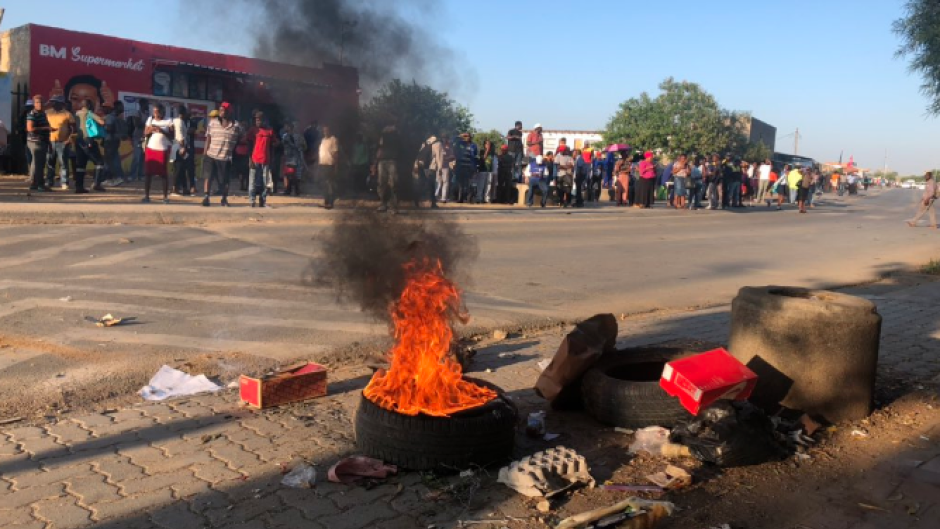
(168, 383)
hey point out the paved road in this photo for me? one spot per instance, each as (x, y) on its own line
(227, 288)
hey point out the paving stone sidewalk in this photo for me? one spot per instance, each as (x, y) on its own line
(207, 462)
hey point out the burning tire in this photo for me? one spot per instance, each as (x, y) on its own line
(480, 436)
(623, 389)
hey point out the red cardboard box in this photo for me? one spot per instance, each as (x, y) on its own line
(292, 384)
(701, 380)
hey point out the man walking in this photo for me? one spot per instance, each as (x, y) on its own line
(329, 163)
(64, 122)
(386, 160)
(221, 136)
(926, 202)
(185, 163)
(763, 185)
(260, 163)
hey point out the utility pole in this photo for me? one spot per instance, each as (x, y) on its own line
(796, 142)
(347, 25)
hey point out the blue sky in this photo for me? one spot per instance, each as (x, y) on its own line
(827, 67)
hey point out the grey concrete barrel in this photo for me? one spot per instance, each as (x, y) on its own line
(813, 350)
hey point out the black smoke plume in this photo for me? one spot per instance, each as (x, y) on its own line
(384, 39)
(363, 255)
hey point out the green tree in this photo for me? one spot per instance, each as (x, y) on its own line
(683, 118)
(919, 31)
(418, 111)
(756, 152)
(493, 135)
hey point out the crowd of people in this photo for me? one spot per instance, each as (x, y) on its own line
(61, 145)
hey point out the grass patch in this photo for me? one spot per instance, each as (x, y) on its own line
(932, 268)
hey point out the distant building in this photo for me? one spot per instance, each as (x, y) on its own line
(575, 139)
(759, 132)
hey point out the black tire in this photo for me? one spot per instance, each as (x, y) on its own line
(623, 389)
(481, 436)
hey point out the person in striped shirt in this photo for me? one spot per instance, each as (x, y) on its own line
(222, 135)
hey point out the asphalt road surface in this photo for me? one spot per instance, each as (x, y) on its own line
(230, 297)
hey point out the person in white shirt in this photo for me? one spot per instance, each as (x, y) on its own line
(158, 131)
(329, 160)
(764, 183)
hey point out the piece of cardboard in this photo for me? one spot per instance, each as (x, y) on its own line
(701, 380)
(292, 384)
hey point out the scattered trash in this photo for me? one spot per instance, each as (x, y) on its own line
(535, 424)
(11, 420)
(672, 478)
(469, 473)
(547, 473)
(543, 364)
(869, 507)
(488, 370)
(66, 299)
(507, 355)
(722, 526)
(125, 241)
(208, 438)
(802, 457)
(500, 334)
(551, 436)
(559, 383)
(169, 382)
(631, 488)
(544, 506)
(913, 508)
(232, 385)
(859, 433)
(303, 476)
(293, 383)
(636, 512)
(924, 438)
(109, 321)
(730, 434)
(704, 379)
(627, 431)
(352, 469)
(896, 497)
(655, 441)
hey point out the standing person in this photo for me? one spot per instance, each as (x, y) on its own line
(427, 164)
(695, 183)
(735, 180)
(582, 177)
(781, 186)
(63, 122)
(24, 117)
(386, 166)
(564, 178)
(295, 161)
(221, 137)
(535, 142)
(646, 182)
(623, 168)
(360, 164)
(116, 127)
(259, 164)
(505, 169)
(681, 173)
(312, 139)
(465, 152)
(926, 202)
(514, 144)
(763, 183)
(38, 132)
(535, 178)
(449, 161)
(184, 165)
(91, 126)
(158, 131)
(328, 158)
(485, 172)
(794, 181)
(135, 126)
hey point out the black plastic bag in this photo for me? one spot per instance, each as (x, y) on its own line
(730, 434)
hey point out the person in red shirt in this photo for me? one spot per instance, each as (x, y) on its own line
(262, 146)
(535, 142)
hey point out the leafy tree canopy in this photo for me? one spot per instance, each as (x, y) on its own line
(919, 31)
(683, 118)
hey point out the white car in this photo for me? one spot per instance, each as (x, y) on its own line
(909, 184)
(922, 186)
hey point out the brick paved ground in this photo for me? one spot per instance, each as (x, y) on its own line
(206, 462)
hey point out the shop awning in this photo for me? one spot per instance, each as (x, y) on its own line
(199, 68)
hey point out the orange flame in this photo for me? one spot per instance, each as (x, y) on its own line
(423, 377)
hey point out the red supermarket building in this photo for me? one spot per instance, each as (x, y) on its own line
(52, 61)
